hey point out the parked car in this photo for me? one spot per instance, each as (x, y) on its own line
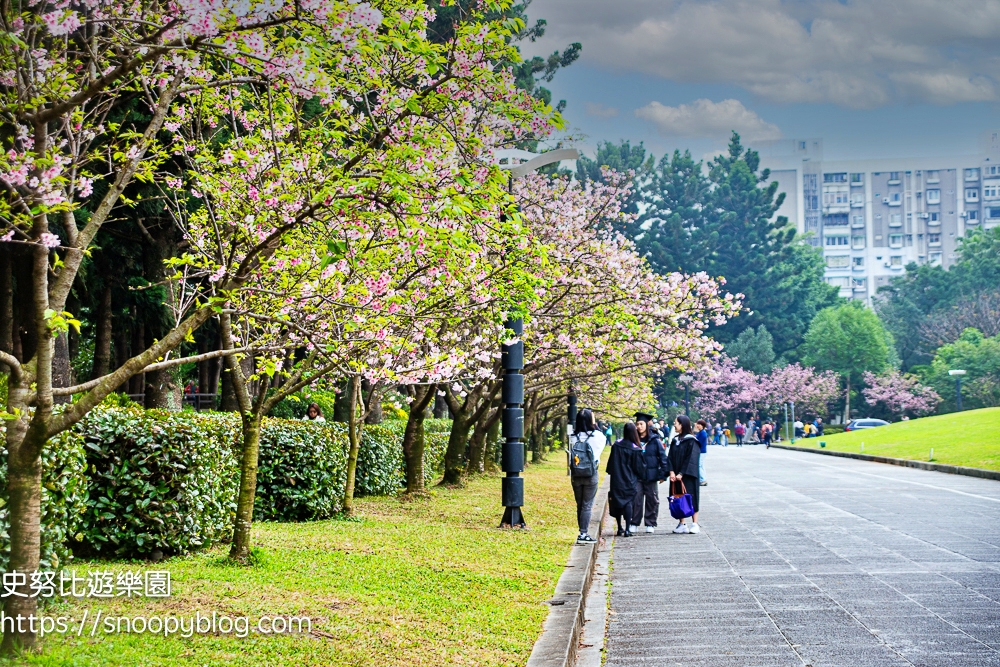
(858, 424)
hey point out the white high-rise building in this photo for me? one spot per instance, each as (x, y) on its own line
(873, 217)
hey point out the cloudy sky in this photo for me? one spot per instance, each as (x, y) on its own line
(872, 78)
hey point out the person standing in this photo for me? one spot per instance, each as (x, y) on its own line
(726, 434)
(740, 430)
(647, 491)
(685, 451)
(625, 464)
(765, 431)
(586, 445)
(702, 435)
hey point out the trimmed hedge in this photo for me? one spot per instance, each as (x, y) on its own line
(127, 481)
(158, 480)
(64, 500)
(301, 471)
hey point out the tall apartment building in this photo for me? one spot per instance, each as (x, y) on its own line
(873, 217)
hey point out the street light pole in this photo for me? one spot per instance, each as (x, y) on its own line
(958, 387)
(686, 379)
(512, 362)
(792, 404)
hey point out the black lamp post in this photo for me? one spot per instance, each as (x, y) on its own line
(512, 361)
(958, 387)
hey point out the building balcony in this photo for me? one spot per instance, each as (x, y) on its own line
(858, 269)
(857, 184)
(894, 203)
(836, 208)
(857, 204)
(894, 181)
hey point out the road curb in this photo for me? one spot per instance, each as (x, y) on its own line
(560, 637)
(906, 463)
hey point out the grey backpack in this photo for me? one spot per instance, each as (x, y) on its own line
(581, 456)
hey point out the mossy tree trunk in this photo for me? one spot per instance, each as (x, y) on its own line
(413, 437)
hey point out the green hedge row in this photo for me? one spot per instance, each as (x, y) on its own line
(127, 481)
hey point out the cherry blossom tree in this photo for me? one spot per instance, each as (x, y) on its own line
(901, 393)
(67, 69)
(811, 391)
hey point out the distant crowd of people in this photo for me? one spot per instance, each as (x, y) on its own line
(645, 457)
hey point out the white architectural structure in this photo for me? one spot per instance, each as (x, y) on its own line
(873, 217)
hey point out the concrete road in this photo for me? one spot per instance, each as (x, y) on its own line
(814, 560)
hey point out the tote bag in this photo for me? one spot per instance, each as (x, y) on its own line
(681, 505)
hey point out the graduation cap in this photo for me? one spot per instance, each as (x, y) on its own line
(643, 417)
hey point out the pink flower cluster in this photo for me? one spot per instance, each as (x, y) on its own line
(901, 393)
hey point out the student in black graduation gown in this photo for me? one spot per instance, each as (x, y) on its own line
(654, 471)
(625, 466)
(683, 464)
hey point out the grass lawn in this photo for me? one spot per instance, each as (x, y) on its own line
(970, 438)
(425, 582)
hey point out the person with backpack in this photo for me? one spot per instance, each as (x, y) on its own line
(625, 465)
(685, 451)
(765, 431)
(654, 471)
(740, 430)
(585, 447)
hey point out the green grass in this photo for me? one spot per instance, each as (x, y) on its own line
(414, 582)
(970, 438)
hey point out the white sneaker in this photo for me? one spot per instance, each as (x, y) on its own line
(694, 529)
(650, 530)
(681, 528)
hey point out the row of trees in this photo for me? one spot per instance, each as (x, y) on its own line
(311, 191)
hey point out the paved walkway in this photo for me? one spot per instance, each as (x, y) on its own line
(814, 560)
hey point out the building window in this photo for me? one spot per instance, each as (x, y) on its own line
(836, 240)
(992, 170)
(895, 240)
(835, 178)
(933, 196)
(858, 283)
(858, 262)
(993, 212)
(835, 220)
(858, 221)
(973, 215)
(971, 194)
(893, 177)
(972, 174)
(934, 239)
(894, 197)
(896, 260)
(895, 219)
(990, 191)
(857, 179)
(839, 282)
(857, 242)
(935, 217)
(838, 261)
(933, 176)
(934, 258)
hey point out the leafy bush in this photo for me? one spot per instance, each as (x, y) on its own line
(437, 426)
(302, 470)
(64, 499)
(435, 445)
(158, 480)
(380, 461)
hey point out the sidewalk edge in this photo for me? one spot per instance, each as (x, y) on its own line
(923, 465)
(557, 645)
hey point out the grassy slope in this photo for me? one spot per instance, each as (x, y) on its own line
(426, 582)
(970, 438)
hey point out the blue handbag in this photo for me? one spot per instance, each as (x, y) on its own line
(681, 505)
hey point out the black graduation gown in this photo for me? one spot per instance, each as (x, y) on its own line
(625, 465)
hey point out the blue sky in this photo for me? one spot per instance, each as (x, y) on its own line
(880, 78)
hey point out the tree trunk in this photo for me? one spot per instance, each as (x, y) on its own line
(342, 403)
(440, 406)
(413, 438)
(248, 487)
(490, 463)
(454, 457)
(354, 426)
(375, 408)
(162, 391)
(61, 370)
(24, 495)
(6, 304)
(477, 443)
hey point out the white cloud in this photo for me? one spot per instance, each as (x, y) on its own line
(707, 119)
(854, 54)
(599, 110)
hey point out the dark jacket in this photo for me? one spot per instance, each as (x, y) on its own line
(625, 466)
(683, 457)
(654, 458)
